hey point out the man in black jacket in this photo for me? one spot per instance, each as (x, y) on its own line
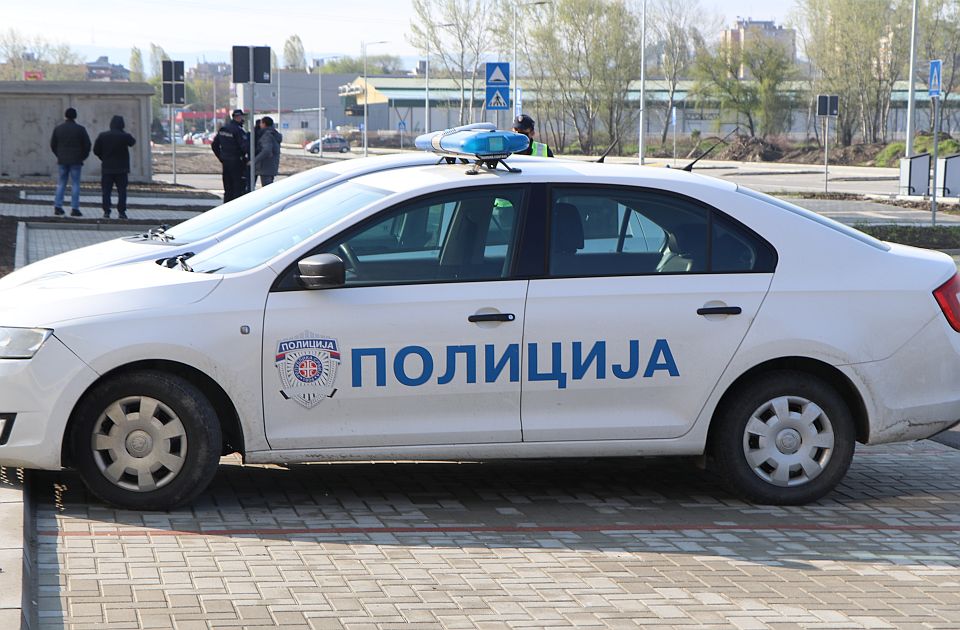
(113, 149)
(231, 146)
(71, 144)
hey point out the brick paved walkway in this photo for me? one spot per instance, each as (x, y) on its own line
(33, 210)
(618, 544)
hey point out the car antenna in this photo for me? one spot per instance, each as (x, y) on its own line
(689, 167)
(604, 155)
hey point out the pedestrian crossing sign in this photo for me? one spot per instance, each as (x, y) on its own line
(935, 67)
(498, 97)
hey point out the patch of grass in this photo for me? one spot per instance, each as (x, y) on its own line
(940, 237)
(891, 154)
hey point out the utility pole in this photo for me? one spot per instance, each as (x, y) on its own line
(911, 110)
(643, 76)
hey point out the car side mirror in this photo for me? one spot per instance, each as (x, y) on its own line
(322, 271)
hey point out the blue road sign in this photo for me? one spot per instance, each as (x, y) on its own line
(935, 68)
(498, 97)
(402, 125)
(498, 73)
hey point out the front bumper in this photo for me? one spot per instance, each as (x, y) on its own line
(915, 393)
(39, 394)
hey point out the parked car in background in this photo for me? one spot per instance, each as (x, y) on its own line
(333, 144)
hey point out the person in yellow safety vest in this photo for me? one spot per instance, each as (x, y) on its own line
(525, 125)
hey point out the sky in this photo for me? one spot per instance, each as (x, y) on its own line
(198, 29)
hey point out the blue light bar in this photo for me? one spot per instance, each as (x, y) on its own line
(481, 141)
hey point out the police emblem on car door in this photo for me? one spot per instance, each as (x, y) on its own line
(307, 366)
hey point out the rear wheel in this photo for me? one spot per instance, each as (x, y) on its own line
(786, 438)
(146, 441)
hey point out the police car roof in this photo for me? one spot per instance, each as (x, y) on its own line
(378, 162)
(440, 176)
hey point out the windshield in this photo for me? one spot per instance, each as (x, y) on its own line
(219, 218)
(274, 235)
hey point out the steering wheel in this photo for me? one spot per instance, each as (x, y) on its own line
(353, 263)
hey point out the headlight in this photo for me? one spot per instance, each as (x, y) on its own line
(22, 343)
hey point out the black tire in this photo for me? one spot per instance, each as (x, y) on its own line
(344, 149)
(182, 431)
(762, 465)
(314, 150)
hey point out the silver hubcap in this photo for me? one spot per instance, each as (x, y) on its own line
(788, 441)
(139, 444)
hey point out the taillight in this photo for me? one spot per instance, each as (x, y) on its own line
(948, 297)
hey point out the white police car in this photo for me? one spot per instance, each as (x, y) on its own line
(196, 234)
(571, 309)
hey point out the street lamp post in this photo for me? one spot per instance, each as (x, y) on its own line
(366, 93)
(426, 96)
(643, 79)
(911, 114)
(320, 100)
(516, 74)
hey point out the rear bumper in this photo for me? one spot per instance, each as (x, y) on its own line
(915, 393)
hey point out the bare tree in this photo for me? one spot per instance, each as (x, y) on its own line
(678, 26)
(136, 64)
(939, 34)
(590, 49)
(157, 56)
(293, 55)
(457, 32)
(858, 48)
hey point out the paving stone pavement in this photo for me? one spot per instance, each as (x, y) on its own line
(32, 211)
(577, 543)
(94, 200)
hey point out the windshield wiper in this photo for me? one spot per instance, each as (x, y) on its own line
(159, 234)
(182, 261)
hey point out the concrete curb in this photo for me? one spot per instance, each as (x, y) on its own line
(20, 253)
(16, 566)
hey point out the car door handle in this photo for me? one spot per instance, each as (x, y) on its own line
(492, 317)
(719, 310)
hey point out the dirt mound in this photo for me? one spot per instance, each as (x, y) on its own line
(855, 155)
(747, 149)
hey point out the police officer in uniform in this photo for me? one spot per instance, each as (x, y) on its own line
(525, 124)
(231, 146)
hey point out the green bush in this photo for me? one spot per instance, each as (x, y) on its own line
(891, 154)
(940, 237)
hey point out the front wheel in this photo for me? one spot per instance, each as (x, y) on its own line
(146, 441)
(787, 438)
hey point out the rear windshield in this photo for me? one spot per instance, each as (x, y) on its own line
(813, 216)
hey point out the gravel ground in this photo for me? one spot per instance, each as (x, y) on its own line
(198, 160)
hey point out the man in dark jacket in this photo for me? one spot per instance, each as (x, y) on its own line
(71, 144)
(113, 149)
(268, 151)
(231, 146)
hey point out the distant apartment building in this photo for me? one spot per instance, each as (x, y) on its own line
(746, 32)
(103, 70)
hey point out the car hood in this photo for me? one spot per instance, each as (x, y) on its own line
(114, 252)
(46, 302)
